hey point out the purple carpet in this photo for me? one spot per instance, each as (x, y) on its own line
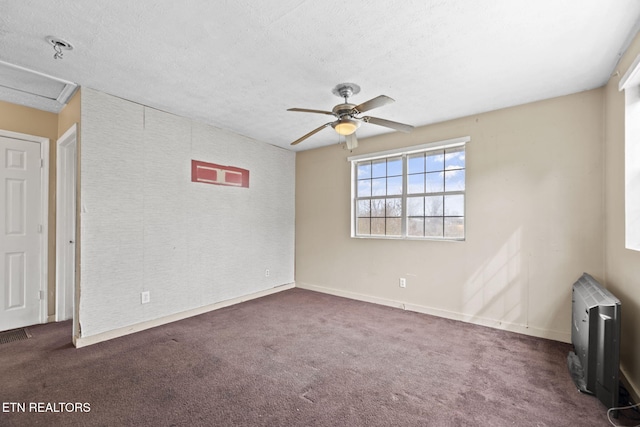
(296, 358)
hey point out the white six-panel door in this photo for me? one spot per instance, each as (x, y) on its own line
(21, 235)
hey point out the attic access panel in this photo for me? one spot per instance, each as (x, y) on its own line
(23, 86)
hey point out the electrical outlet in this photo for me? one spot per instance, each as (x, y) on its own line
(267, 273)
(403, 282)
(145, 297)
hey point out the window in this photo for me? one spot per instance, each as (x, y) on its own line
(416, 193)
(630, 83)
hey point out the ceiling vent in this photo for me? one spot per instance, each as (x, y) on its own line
(22, 86)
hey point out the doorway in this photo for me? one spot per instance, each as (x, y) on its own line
(66, 224)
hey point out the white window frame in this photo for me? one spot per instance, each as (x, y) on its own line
(630, 83)
(404, 152)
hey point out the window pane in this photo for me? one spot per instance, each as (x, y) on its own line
(394, 226)
(379, 168)
(435, 182)
(454, 180)
(415, 227)
(394, 185)
(378, 207)
(415, 184)
(435, 161)
(364, 188)
(364, 170)
(379, 187)
(377, 226)
(433, 227)
(394, 166)
(394, 207)
(454, 205)
(433, 206)
(364, 208)
(427, 181)
(454, 228)
(454, 158)
(415, 206)
(415, 163)
(363, 226)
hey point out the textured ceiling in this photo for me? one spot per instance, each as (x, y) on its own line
(240, 64)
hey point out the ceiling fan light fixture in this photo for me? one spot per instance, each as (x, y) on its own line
(347, 115)
(346, 126)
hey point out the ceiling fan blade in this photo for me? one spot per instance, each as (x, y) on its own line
(376, 102)
(351, 140)
(388, 123)
(313, 132)
(306, 110)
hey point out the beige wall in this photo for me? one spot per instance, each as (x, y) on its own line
(17, 118)
(534, 221)
(622, 265)
(69, 115)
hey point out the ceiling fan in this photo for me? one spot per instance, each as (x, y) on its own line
(348, 115)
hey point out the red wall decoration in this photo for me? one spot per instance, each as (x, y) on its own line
(210, 173)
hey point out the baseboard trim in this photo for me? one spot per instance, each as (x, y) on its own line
(105, 336)
(632, 388)
(476, 320)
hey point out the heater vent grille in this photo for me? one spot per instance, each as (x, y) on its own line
(15, 335)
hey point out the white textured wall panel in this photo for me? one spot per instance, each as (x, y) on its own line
(146, 226)
(228, 214)
(111, 212)
(167, 172)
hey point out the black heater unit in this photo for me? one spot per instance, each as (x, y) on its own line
(595, 335)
